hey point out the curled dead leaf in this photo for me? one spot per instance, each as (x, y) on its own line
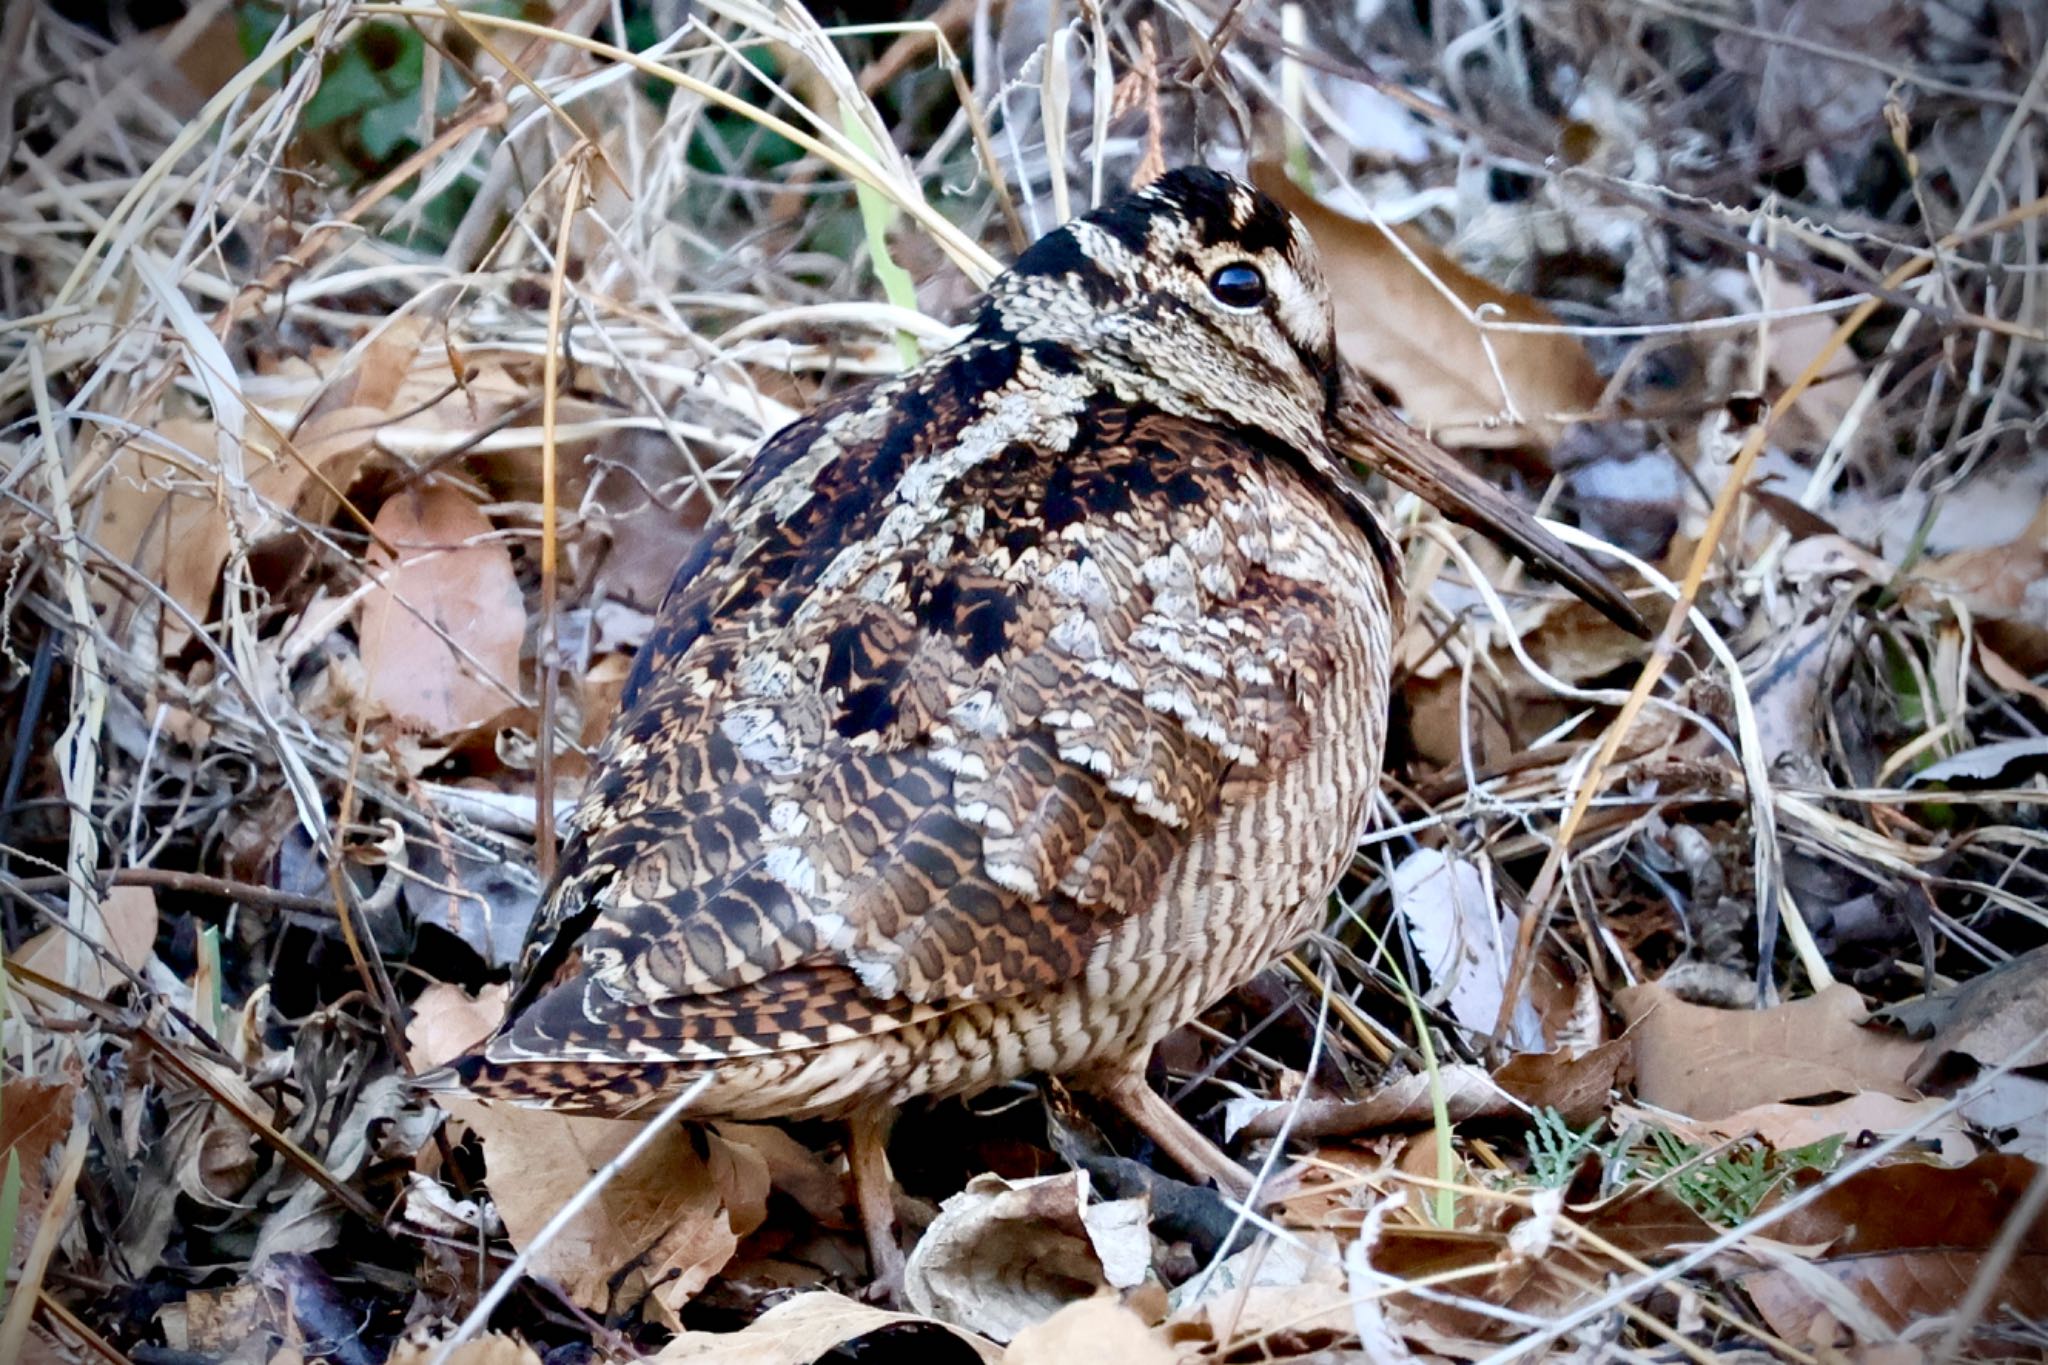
(1003, 1256)
(493, 1348)
(810, 1327)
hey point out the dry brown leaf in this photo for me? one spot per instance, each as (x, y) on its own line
(801, 1330)
(161, 511)
(1999, 586)
(339, 427)
(1997, 1018)
(1296, 1287)
(493, 1348)
(1908, 1240)
(1397, 326)
(447, 1021)
(1899, 1289)
(450, 584)
(1483, 1269)
(1785, 1126)
(1576, 1085)
(1708, 1063)
(1643, 1221)
(125, 926)
(210, 1153)
(1469, 1093)
(164, 508)
(1094, 1329)
(2003, 674)
(371, 376)
(663, 1226)
(34, 1117)
(1912, 1206)
(1795, 343)
(794, 1169)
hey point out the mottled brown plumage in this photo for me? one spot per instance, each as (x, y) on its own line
(1014, 710)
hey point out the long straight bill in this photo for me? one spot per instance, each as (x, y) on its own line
(1384, 442)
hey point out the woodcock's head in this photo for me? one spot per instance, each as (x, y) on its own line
(1206, 298)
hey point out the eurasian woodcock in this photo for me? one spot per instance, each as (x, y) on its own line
(1014, 709)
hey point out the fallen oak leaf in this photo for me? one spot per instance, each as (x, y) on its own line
(1708, 1063)
(659, 1230)
(1898, 1288)
(1911, 1205)
(1909, 1239)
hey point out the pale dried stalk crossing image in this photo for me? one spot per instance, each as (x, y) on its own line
(1429, 747)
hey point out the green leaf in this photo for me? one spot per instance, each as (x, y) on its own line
(1556, 1149)
(207, 979)
(347, 88)
(254, 23)
(382, 66)
(10, 1209)
(388, 127)
(877, 214)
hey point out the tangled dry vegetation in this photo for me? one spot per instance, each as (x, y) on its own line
(368, 368)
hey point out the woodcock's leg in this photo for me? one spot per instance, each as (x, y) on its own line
(867, 1160)
(1178, 1138)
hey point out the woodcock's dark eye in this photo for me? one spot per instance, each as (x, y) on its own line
(1239, 286)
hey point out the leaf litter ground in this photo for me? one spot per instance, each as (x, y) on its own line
(368, 369)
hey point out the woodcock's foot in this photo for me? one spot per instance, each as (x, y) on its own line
(867, 1162)
(1149, 1112)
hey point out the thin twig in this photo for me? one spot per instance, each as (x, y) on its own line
(480, 1316)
